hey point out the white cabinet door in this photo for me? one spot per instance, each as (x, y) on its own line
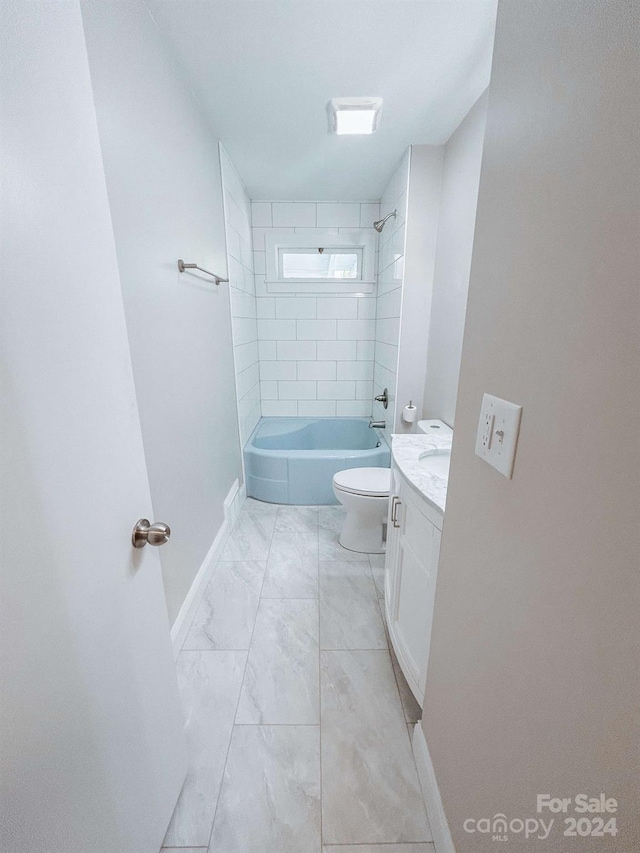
(410, 610)
(92, 734)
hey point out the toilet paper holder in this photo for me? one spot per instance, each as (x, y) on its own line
(410, 413)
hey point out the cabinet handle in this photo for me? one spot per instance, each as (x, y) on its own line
(395, 503)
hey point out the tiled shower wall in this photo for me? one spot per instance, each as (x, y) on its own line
(389, 292)
(242, 292)
(316, 352)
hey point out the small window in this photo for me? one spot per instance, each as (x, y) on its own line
(320, 260)
(321, 264)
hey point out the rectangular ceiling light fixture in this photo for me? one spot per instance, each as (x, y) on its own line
(350, 116)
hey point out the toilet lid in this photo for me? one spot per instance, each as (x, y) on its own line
(375, 482)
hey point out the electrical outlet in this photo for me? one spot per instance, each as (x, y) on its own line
(497, 436)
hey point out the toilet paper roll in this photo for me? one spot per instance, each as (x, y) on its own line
(409, 414)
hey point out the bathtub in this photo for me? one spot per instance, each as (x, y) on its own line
(293, 460)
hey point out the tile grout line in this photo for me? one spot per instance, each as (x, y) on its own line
(255, 619)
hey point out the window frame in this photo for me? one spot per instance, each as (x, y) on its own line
(359, 240)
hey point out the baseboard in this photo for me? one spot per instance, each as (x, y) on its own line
(442, 840)
(232, 506)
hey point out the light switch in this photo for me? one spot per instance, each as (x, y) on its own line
(497, 435)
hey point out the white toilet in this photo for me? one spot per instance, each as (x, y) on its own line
(364, 493)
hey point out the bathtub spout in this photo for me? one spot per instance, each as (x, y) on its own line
(377, 424)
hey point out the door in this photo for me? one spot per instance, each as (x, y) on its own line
(91, 733)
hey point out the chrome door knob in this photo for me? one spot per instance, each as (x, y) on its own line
(153, 534)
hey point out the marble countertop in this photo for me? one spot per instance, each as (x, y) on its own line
(406, 449)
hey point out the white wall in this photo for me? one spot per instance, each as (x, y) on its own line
(242, 293)
(423, 211)
(533, 675)
(316, 353)
(389, 292)
(456, 224)
(163, 178)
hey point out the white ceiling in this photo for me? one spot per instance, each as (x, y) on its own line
(265, 69)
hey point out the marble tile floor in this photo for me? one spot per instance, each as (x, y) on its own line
(298, 718)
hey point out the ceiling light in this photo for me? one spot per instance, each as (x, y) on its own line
(349, 116)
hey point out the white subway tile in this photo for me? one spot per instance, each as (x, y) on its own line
(337, 350)
(266, 307)
(369, 213)
(387, 356)
(366, 350)
(279, 370)
(355, 370)
(388, 330)
(300, 214)
(336, 390)
(242, 304)
(364, 391)
(247, 379)
(296, 350)
(261, 214)
(248, 281)
(338, 215)
(233, 213)
(260, 285)
(317, 370)
(246, 355)
(233, 242)
(387, 280)
(277, 330)
(267, 350)
(311, 234)
(353, 409)
(367, 308)
(259, 262)
(360, 330)
(279, 408)
(246, 253)
(389, 303)
(259, 235)
(236, 273)
(383, 378)
(316, 330)
(297, 390)
(316, 408)
(269, 390)
(290, 307)
(244, 330)
(337, 308)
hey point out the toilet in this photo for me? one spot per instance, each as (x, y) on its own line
(364, 493)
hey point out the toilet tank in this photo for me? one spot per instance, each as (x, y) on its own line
(433, 427)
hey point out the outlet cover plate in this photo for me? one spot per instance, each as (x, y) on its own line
(498, 429)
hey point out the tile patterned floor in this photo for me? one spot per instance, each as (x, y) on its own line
(298, 717)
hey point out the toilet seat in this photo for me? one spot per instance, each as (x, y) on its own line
(369, 482)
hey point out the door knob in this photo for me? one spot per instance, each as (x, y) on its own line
(154, 534)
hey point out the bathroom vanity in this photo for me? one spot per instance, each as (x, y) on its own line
(419, 477)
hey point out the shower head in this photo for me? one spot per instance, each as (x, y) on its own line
(379, 225)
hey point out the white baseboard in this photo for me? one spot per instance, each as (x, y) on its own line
(233, 504)
(442, 840)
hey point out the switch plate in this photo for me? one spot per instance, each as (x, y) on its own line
(497, 435)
